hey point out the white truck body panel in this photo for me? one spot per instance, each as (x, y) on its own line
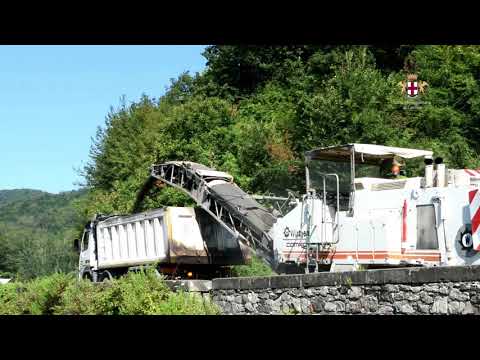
(149, 237)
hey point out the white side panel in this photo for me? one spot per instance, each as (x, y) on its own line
(132, 246)
(161, 246)
(133, 240)
(150, 238)
(140, 239)
(107, 245)
(290, 234)
(185, 229)
(115, 242)
(122, 235)
(288, 239)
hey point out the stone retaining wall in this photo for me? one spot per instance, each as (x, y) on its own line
(442, 290)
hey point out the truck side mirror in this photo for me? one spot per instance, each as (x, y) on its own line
(76, 245)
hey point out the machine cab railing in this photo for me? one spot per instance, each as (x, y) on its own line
(349, 162)
(325, 232)
(308, 210)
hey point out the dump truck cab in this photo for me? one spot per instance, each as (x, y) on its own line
(86, 248)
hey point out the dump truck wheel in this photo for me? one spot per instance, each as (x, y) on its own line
(106, 276)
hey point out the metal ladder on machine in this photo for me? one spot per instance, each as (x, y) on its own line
(307, 215)
(235, 218)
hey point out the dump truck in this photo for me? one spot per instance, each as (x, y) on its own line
(181, 242)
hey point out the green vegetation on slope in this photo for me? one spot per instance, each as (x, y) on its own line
(36, 232)
(254, 111)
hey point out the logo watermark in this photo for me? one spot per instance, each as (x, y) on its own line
(412, 91)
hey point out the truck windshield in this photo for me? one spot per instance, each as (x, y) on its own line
(84, 243)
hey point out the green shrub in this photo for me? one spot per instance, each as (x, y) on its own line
(36, 297)
(137, 293)
(80, 298)
(8, 297)
(143, 293)
(256, 267)
(184, 303)
(140, 293)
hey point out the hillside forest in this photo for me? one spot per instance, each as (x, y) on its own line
(253, 112)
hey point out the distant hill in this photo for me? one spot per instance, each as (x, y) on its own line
(9, 196)
(36, 231)
(37, 209)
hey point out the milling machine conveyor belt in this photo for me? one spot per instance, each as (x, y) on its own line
(216, 193)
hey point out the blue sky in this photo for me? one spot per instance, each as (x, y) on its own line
(53, 98)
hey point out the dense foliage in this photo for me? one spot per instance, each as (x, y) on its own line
(255, 110)
(37, 231)
(140, 293)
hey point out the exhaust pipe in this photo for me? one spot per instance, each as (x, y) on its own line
(440, 173)
(428, 172)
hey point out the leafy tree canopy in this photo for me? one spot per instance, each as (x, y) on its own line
(255, 110)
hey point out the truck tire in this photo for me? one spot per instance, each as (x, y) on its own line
(90, 275)
(106, 276)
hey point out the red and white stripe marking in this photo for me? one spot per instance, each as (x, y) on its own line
(473, 173)
(474, 201)
(426, 255)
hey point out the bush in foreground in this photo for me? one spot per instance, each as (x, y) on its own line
(256, 267)
(141, 293)
(36, 297)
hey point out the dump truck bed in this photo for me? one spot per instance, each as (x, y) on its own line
(170, 235)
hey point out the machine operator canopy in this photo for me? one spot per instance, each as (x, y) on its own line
(366, 152)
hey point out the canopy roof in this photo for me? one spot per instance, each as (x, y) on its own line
(366, 151)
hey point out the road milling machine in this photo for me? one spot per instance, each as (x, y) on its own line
(353, 217)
